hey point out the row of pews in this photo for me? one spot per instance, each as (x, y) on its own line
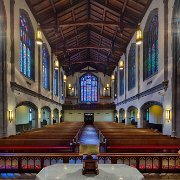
(52, 138)
(121, 138)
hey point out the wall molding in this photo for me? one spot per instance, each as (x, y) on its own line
(24, 90)
(162, 86)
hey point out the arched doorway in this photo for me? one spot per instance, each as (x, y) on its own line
(55, 116)
(152, 115)
(26, 116)
(45, 116)
(3, 79)
(122, 115)
(132, 115)
(176, 68)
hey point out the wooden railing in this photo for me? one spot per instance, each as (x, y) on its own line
(149, 163)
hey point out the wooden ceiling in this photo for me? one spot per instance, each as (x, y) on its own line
(87, 32)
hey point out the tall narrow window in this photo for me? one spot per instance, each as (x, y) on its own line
(151, 45)
(27, 46)
(89, 88)
(62, 86)
(45, 66)
(115, 86)
(121, 79)
(132, 67)
(56, 82)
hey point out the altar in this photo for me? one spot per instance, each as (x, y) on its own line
(74, 172)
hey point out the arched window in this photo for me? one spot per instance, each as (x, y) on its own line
(121, 82)
(56, 82)
(45, 65)
(115, 85)
(62, 86)
(151, 45)
(132, 67)
(89, 88)
(27, 46)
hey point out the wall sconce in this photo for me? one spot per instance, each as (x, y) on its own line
(104, 89)
(69, 86)
(38, 37)
(52, 116)
(65, 78)
(168, 115)
(139, 36)
(10, 116)
(56, 64)
(121, 64)
(112, 77)
(72, 89)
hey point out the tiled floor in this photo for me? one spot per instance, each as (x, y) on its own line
(89, 135)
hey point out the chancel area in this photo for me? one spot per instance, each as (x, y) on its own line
(89, 87)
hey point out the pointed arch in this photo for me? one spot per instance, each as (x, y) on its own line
(132, 67)
(89, 88)
(150, 45)
(45, 67)
(27, 46)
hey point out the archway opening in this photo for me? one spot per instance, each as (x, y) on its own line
(45, 116)
(152, 113)
(26, 117)
(122, 115)
(55, 116)
(132, 115)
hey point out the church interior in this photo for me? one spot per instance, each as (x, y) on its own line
(81, 75)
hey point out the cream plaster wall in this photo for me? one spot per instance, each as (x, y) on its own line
(163, 97)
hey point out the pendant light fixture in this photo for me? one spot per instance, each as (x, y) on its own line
(56, 64)
(38, 37)
(121, 64)
(65, 78)
(112, 77)
(139, 36)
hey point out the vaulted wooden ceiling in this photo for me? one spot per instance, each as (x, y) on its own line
(87, 32)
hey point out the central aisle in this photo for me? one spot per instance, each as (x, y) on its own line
(89, 135)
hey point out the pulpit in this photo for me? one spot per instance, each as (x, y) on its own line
(90, 165)
(90, 160)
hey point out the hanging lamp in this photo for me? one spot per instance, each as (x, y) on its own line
(38, 37)
(121, 64)
(139, 36)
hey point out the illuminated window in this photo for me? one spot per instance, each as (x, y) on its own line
(121, 83)
(27, 42)
(89, 88)
(56, 82)
(151, 45)
(45, 67)
(132, 67)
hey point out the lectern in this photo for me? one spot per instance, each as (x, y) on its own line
(90, 160)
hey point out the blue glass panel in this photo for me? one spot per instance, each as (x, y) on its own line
(88, 84)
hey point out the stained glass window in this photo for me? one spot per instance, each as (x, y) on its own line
(56, 82)
(115, 86)
(151, 45)
(89, 88)
(121, 79)
(45, 67)
(132, 67)
(62, 86)
(26, 46)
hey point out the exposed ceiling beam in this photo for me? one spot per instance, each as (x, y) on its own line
(106, 48)
(89, 22)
